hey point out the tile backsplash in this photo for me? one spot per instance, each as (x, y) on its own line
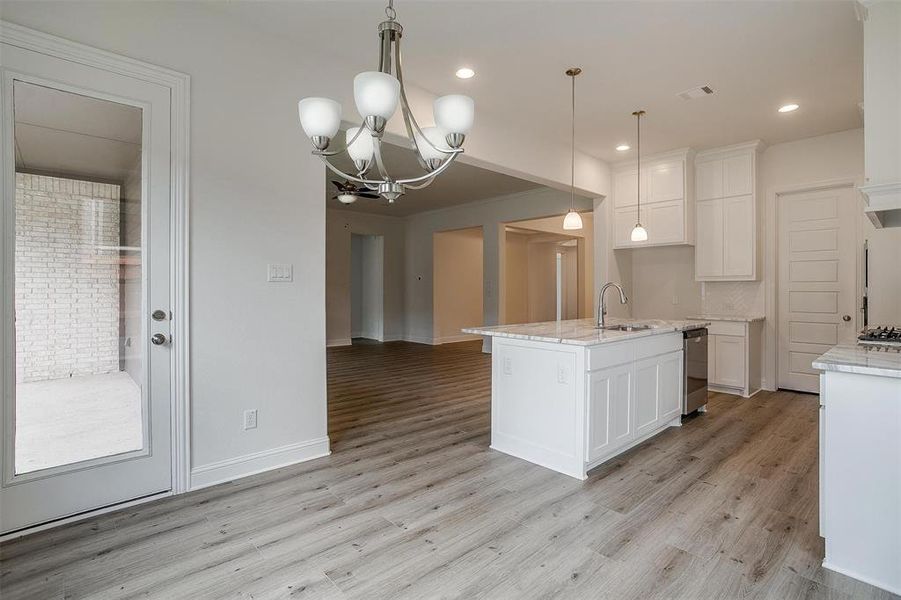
(733, 297)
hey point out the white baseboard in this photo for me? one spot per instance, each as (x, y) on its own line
(450, 339)
(251, 464)
(338, 342)
(853, 575)
(419, 340)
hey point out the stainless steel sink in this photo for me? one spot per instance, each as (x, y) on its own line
(626, 327)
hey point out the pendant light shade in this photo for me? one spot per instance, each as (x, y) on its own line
(573, 220)
(639, 233)
(454, 113)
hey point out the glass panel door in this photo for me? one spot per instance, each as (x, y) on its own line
(77, 278)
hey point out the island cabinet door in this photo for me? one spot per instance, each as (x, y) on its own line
(669, 386)
(609, 410)
(647, 400)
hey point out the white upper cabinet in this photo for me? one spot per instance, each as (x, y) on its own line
(738, 175)
(666, 206)
(727, 212)
(625, 188)
(709, 179)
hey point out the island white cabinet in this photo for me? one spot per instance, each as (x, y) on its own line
(727, 212)
(571, 407)
(666, 207)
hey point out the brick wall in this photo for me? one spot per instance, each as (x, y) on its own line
(67, 278)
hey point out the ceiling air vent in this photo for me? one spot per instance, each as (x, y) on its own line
(698, 92)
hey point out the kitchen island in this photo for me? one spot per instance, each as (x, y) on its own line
(569, 396)
(860, 462)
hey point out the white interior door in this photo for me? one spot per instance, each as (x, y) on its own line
(85, 261)
(817, 280)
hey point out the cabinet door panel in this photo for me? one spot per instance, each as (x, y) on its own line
(623, 222)
(730, 361)
(738, 236)
(609, 410)
(737, 179)
(665, 222)
(666, 182)
(669, 385)
(709, 238)
(647, 408)
(625, 188)
(709, 179)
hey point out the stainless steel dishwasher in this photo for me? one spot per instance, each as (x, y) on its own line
(694, 382)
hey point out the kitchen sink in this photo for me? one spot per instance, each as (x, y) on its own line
(626, 327)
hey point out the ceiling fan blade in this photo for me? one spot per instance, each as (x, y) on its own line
(367, 195)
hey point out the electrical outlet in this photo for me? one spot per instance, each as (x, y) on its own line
(561, 374)
(250, 419)
(280, 273)
(675, 300)
(508, 366)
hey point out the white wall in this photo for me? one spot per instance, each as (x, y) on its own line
(340, 226)
(490, 216)
(372, 284)
(356, 290)
(257, 196)
(457, 273)
(516, 278)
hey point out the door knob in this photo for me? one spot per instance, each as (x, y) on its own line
(846, 318)
(158, 339)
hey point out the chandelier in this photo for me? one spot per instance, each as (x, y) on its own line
(377, 95)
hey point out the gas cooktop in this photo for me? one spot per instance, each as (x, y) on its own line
(881, 335)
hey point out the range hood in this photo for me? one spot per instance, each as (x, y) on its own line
(882, 111)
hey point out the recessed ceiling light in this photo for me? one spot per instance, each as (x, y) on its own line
(788, 108)
(623, 147)
(465, 73)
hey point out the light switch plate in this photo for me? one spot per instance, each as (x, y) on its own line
(278, 272)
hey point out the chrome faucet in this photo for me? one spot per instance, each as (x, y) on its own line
(602, 302)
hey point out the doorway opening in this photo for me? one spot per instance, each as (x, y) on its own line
(457, 296)
(367, 281)
(546, 272)
(78, 291)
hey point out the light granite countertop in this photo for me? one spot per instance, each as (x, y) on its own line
(863, 359)
(736, 318)
(582, 332)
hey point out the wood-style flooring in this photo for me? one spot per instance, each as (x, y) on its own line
(413, 504)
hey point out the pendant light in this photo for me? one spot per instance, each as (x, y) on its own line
(573, 220)
(639, 233)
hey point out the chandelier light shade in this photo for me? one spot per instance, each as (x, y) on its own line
(454, 113)
(378, 95)
(434, 146)
(639, 233)
(359, 147)
(319, 117)
(572, 220)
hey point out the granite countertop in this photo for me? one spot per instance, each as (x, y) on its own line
(736, 318)
(582, 332)
(864, 359)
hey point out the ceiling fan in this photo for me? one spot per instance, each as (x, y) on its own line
(348, 192)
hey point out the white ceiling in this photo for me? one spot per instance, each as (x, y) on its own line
(756, 55)
(460, 184)
(68, 134)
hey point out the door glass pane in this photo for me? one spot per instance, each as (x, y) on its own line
(78, 283)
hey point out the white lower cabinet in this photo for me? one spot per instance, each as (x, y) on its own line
(630, 402)
(733, 356)
(610, 410)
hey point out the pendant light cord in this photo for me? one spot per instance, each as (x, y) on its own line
(638, 114)
(572, 160)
